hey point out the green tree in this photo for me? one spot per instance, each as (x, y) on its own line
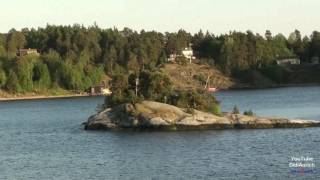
(110, 58)
(3, 78)
(280, 49)
(2, 46)
(54, 63)
(133, 64)
(119, 87)
(15, 41)
(73, 76)
(24, 70)
(315, 44)
(13, 83)
(41, 76)
(95, 74)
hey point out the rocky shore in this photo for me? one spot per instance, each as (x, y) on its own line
(149, 115)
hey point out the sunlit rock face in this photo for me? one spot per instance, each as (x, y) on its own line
(149, 115)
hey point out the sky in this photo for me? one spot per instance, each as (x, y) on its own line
(216, 16)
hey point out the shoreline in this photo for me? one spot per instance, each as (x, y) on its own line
(39, 97)
(249, 87)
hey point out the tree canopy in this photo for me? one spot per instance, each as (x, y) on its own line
(77, 57)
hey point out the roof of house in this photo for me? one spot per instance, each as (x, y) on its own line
(29, 49)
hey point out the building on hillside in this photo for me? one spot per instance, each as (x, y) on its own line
(186, 53)
(288, 61)
(172, 57)
(25, 52)
(101, 88)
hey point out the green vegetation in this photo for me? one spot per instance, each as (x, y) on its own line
(248, 113)
(235, 110)
(199, 100)
(201, 78)
(76, 58)
(3, 78)
(138, 86)
(157, 86)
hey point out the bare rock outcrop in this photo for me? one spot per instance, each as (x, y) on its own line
(149, 115)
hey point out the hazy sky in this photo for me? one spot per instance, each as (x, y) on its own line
(217, 16)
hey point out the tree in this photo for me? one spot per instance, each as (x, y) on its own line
(235, 110)
(280, 49)
(315, 44)
(54, 63)
(73, 77)
(119, 83)
(41, 76)
(13, 83)
(160, 86)
(119, 87)
(133, 64)
(226, 56)
(2, 46)
(296, 45)
(16, 40)
(3, 78)
(110, 58)
(95, 74)
(195, 100)
(24, 70)
(306, 46)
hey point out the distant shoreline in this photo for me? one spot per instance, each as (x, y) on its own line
(275, 86)
(44, 97)
(37, 97)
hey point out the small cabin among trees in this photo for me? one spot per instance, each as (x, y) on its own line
(100, 89)
(97, 90)
(288, 61)
(25, 52)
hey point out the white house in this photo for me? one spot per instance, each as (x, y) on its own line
(288, 61)
(172, 57)
(25, 52)
(186, 52)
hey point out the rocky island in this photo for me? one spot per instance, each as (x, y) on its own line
(150, 115)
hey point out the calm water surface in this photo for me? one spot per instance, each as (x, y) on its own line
(44, 139)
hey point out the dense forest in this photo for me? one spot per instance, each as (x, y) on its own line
(77, 57)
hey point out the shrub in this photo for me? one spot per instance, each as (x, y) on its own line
(275, 73)
(235, 110)
(195, 100)
(182, 60)
(200, 77)
(214, 109)
(248, 113)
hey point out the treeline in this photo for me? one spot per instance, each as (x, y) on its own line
(76, 57)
